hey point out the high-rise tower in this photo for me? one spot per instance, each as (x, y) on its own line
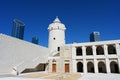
(94, 36)
(35, 40)
(56, 35)
(18, 29)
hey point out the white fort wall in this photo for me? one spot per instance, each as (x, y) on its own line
(95, 57)
(102, 52)
(16, 54)
(91, 57)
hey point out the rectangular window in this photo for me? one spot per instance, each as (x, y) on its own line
(58, 48)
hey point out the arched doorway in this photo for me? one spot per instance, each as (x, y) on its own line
(90, 67)
(89, 51)
(111, 49)
(100, 50)
(79, 51)
(79, 67)
(114, 67)
(101, 67)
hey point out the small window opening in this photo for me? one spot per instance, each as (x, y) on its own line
(58, 48)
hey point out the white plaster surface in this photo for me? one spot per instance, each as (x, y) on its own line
(100, 76)
(56, 35)
(16, 54)
(16, 78)
(89, 76)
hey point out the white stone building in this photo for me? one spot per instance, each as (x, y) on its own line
(94, 57)
(18, 56)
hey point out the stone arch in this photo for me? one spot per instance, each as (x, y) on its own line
(79, 67)
(111, 49)
(79, 51)
(89, 51)
(90, 67)
(114, 67)
(101, 67)
(100, 50)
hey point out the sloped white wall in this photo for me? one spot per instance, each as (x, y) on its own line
(19, 54)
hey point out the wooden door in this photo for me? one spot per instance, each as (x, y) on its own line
(53, 67)
(66, 67)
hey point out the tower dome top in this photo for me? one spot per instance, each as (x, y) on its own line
(56, 25)
(57, 20)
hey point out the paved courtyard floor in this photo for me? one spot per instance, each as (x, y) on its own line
(62, 76)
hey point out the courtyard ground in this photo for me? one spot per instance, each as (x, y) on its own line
(60, 76)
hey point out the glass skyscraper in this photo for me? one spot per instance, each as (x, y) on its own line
(18, 29)
(94, 36)
(35, 40)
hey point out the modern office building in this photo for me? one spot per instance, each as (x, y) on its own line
(18, 29)
(35, 40)
(94, 36)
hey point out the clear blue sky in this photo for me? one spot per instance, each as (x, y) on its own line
(81, 17)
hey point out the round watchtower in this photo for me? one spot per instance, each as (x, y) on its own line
(56, 35)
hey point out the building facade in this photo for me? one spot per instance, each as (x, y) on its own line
(18, 29)
(19, 56)
(96, 57)
(94, 36)
(35, 40)
(90, 57)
